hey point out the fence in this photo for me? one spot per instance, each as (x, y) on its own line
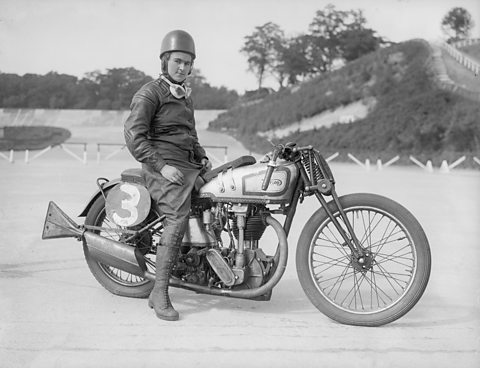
(442, 78)
(468, 42)
(461, 58)
(444, 167)
(368, 164)
(83, 156)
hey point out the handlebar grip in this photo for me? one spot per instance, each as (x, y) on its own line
(268, 176)
(271, 166)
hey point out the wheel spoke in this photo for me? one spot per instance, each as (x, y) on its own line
(389, 271)
(110, 231)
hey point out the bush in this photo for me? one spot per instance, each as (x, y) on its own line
(31, 137)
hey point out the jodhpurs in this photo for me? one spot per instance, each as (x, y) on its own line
(173, 201)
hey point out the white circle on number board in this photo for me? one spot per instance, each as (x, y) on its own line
(128, 204)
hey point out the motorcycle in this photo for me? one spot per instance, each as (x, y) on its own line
(361, 259)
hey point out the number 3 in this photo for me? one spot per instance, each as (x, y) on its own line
(129, 204)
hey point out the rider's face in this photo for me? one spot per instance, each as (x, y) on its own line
(179, 65)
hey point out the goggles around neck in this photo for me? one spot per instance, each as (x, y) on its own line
(177, 90)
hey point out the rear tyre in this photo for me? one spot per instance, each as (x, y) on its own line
(376, 289)
(116, 281)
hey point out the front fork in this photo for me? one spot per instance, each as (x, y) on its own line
(349, 237)
(326, 186)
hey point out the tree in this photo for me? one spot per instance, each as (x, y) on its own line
(339, 34)
(262, 48)
(456, 24)
(358, 42)
(294, 61)
(117, 87)
(208, 97)
(325, 29)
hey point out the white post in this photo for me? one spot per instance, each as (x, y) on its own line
(444, 167)
(6, 157)
(330, 158)
(456, 163)
(85, 154)
(379, 164)
(356, 160)
(389, 162)
(114, 153)
(26, 156)
(11, 156)
(41, 152)
(416, 162)
(428, 167)
(71, 153)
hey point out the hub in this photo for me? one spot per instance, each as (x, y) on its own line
(363, 263)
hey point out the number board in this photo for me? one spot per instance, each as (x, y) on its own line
(128, 204)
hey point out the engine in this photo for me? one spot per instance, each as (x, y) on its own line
(220, 247)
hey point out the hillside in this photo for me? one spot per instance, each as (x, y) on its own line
(410, 113)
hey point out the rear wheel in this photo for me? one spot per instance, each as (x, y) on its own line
(114, 280)
(377, 288)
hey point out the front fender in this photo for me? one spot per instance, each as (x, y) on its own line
(106, 186)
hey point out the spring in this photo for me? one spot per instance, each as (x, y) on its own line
(310, 164)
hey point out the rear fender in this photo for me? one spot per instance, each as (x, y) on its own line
(108, 185)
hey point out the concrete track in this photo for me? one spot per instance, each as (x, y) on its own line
(54, 314)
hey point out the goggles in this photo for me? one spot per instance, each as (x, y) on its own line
(177, 90)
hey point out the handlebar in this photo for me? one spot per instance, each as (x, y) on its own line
(272, 164)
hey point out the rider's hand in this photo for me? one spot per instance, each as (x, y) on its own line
(207, 165)
(267, 157)
(172, 174)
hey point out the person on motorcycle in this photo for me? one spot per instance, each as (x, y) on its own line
(160, 133)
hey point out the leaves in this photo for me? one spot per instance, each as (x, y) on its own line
(334, 36)
(112, 90)
(456, 24)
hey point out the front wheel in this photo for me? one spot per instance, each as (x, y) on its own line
(377, 288)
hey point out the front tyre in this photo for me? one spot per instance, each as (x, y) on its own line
(114, 280)
(376, 289)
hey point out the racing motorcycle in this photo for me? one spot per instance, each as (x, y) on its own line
(362, 259)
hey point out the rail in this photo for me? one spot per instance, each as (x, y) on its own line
(121, 146)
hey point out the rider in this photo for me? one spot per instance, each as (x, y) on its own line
(160, 133)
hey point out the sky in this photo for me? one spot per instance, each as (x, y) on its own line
(80, 36)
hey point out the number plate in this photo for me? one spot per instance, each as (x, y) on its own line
(128, 204)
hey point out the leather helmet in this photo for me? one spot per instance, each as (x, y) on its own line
(178, 40)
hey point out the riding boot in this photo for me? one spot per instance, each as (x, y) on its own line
(159, 299)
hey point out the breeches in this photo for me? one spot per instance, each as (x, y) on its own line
(173, 201)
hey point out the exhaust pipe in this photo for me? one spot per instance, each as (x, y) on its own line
(126, 258)
(107, 251)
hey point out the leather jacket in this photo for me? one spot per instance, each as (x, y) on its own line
(161, 128)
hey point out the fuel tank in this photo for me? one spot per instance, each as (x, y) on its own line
(244, 184)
